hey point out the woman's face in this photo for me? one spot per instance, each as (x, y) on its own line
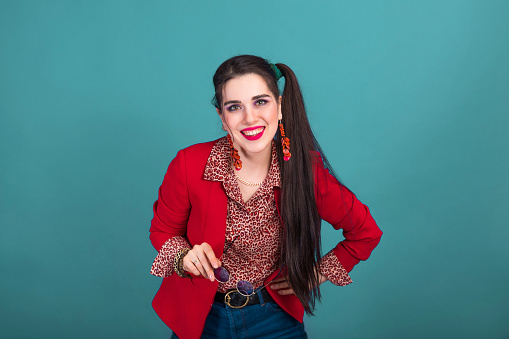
(250, 114)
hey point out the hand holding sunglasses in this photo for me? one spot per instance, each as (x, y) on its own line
(244, 287)
(201, 260)
(222, 275)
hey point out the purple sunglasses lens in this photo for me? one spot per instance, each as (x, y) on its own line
(221, 274)
(245, 288)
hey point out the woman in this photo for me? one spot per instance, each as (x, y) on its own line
(237, 220)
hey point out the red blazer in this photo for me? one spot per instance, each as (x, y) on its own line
(191, 206)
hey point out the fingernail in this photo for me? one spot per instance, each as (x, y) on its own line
(211, 277)
(272, 287)
(215, 265)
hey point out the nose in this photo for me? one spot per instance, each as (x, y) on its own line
(250, 116)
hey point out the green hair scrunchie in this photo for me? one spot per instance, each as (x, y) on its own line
(276, 71)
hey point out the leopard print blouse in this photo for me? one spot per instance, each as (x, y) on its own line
(255, 225)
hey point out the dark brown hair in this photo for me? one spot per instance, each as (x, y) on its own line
(299, 213)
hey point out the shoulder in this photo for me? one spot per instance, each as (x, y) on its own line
(197, 152)
(194, 158)
(201, 149)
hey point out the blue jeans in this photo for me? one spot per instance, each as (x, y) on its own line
(264, 320)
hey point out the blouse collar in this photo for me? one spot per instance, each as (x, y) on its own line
(219, 166)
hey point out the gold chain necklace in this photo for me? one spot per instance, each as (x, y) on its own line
(254, 184)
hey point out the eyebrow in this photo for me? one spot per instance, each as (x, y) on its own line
(256, 97)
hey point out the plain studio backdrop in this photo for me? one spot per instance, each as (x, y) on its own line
(409, 99)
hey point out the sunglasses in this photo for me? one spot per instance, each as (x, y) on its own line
(244, 287)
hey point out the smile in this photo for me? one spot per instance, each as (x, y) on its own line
(253, 133)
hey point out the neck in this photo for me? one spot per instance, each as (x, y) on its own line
(255, 166)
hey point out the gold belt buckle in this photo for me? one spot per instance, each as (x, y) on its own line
(227, 300)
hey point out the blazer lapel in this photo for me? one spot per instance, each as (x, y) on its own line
(214, 228)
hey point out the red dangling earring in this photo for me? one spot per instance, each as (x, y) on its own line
(285, 142)
(235, 154)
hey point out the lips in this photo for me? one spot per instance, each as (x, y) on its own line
(253, 133)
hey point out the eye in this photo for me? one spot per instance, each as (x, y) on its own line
(260, 102)
(233, 108)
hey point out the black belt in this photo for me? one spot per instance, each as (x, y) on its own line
(234, 299)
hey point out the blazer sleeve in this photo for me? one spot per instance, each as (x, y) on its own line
(172, 207)
(340, 207)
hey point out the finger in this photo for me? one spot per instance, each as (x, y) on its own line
(206, 266)
(279, 279)
(198, 260)
(189, 266)
(198, 264)
(280, 285)
(191, 274)
(209, 252)
(285, 291)
(194, 264)
(323, 279)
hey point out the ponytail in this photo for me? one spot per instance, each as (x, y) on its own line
(298, 205)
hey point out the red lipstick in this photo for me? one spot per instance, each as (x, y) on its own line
(253, 137)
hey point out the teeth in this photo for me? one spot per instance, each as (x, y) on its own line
(253, 132)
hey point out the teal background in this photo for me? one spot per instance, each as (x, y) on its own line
(408, 99)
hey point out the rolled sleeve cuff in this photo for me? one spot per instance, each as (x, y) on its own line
(332, 269)
(163, 263)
